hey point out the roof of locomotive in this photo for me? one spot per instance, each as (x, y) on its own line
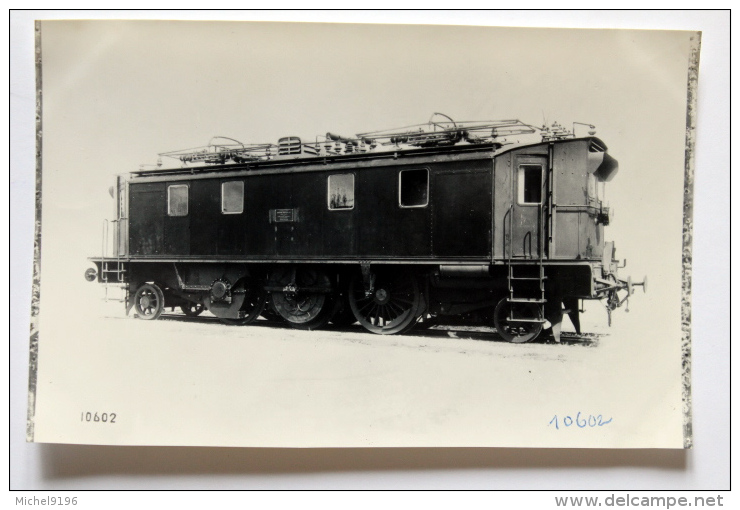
(360, 159)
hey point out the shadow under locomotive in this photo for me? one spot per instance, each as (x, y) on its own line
(458, 330)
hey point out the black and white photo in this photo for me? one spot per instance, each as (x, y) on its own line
(376, 235)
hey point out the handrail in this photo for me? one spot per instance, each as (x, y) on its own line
(527, 245)
(511, 231)
(541, 228)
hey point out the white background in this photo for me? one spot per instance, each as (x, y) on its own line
(56, 466)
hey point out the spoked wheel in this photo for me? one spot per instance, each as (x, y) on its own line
(149, 301)
(253, 299)
(311, 305)
(393, 306)
(192, 309)
(517, 332)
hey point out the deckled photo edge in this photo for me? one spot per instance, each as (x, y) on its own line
(36, 280)
(688, 229)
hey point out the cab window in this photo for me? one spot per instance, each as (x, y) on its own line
(530, 184)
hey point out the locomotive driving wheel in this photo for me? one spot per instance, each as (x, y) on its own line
(517, 322)
(149, 301)
(307, 301)
(393, 305)
(192, 309)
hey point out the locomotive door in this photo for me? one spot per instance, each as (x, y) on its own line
(146, 223)
(296, 219)
(526, 222)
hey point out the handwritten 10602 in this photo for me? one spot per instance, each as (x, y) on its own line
(580, 421)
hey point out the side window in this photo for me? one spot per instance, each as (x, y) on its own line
(177, 200)
(341, 192)
(232, 197)
(530, 184)
(413, 188)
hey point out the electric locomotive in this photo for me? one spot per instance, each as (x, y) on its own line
(392, 229)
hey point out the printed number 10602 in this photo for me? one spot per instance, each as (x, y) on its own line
(98, 417)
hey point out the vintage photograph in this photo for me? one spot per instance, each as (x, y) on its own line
(342, 235)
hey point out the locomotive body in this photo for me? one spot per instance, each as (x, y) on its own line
(512, 234)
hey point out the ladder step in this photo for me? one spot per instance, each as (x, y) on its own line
(531, 321)
(526, 300)
(527, 278)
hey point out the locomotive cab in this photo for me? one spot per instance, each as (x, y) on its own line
(551, 240)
